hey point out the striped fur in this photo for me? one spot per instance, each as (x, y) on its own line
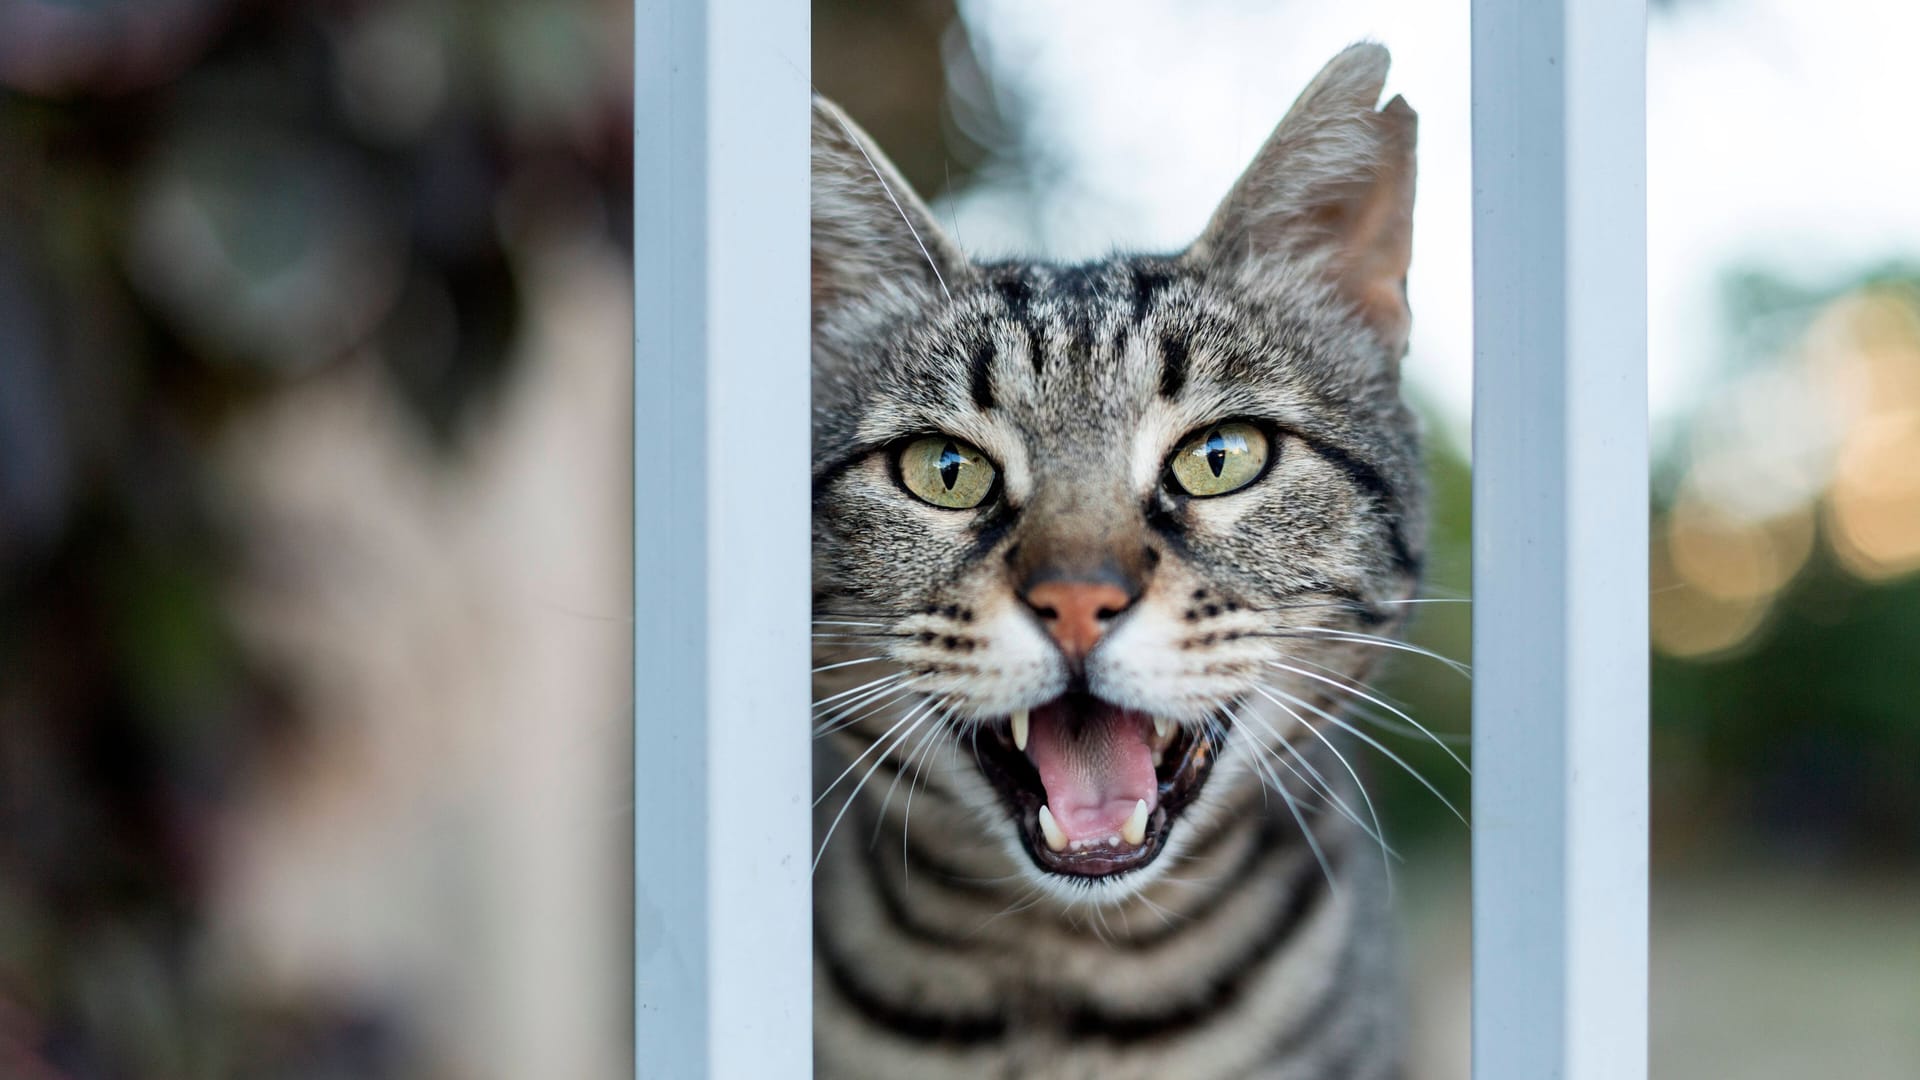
(1258, 942)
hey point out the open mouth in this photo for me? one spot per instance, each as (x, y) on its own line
(1094, 788)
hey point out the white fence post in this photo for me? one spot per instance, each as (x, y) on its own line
(1560, 535)
(722, 911)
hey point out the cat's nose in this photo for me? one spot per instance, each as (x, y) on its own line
(1076, 613)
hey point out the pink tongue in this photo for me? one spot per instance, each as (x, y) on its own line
(1095, 775)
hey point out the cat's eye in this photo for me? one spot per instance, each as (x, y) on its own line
(946, 472)
(1222, 458)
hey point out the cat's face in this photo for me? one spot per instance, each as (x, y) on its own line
(1091, 544)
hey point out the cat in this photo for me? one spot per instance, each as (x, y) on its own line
(1100, 551)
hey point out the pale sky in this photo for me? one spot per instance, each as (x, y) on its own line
(1779, 133)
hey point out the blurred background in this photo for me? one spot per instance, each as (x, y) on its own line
(314, 629)
(314, 538)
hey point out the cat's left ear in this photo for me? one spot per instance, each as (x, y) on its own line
(1330, 195)
(875, 245)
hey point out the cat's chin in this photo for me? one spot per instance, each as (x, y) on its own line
(1094, 790)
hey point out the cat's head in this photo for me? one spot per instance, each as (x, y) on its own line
(1113, 530)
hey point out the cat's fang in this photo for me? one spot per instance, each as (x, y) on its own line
(1020, 720)
(1049, 828)
(1134, 832)
(1162, 727)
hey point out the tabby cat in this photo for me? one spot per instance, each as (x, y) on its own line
(1101, 552)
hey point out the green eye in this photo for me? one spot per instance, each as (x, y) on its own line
(1223, 458)
(946, 472)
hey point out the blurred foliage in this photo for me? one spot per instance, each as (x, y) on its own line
(1801, 733)
(202, 202)
(1807, 739)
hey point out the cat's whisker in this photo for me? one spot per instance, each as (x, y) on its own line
(1378, 831)
(853, 714)
(880, 817)
(1375, 832)
(831, 617)
(850, 663)
(923, 711)
(1313, 842)
(1293, 807)
(1355, 637)
(1363, 608)
(1361, 712)
(927, 739)
(1167, 917)
(1377, 745)
(841, 633)
(861, 146)
(1288, 605)
(1324, 787)
(821, 703)
(906, 816)
(1320, 789)
(1383, 723)
(873, 706)
(1032, 895)
(871, 692)
(1263, 772)
(1448, 750)
(919, 709)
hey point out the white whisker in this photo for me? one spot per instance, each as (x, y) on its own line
(1463, 670)
(918, 710)
(924, 711)
(1378, 832)
(850, 663)
(1376, 744)
(873, 705)
(831, 698)
(906, 816)
(901, 210)
(1369, 697)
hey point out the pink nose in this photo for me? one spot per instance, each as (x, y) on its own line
(1076, 612)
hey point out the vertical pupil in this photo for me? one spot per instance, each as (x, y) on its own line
(1216, 452)
(950, 462)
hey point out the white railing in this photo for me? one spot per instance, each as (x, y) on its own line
(722, 754)
(1559, 540)
(722, 911)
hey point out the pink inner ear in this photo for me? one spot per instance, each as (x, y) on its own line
(1376, 243)
(1383, 304)
(1379, 247)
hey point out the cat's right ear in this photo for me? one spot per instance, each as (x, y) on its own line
(1330, 197)
(875, 245)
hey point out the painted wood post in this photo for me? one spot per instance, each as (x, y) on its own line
(722, 905)
(1560, 539)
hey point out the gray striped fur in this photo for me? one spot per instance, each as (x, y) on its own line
(942, 949)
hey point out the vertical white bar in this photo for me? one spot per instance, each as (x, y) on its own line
(722, 908)
(1560, 534)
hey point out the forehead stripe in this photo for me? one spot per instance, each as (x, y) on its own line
(982, 381)
(1018, 295)
(1173, 365)
(1146, 288)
